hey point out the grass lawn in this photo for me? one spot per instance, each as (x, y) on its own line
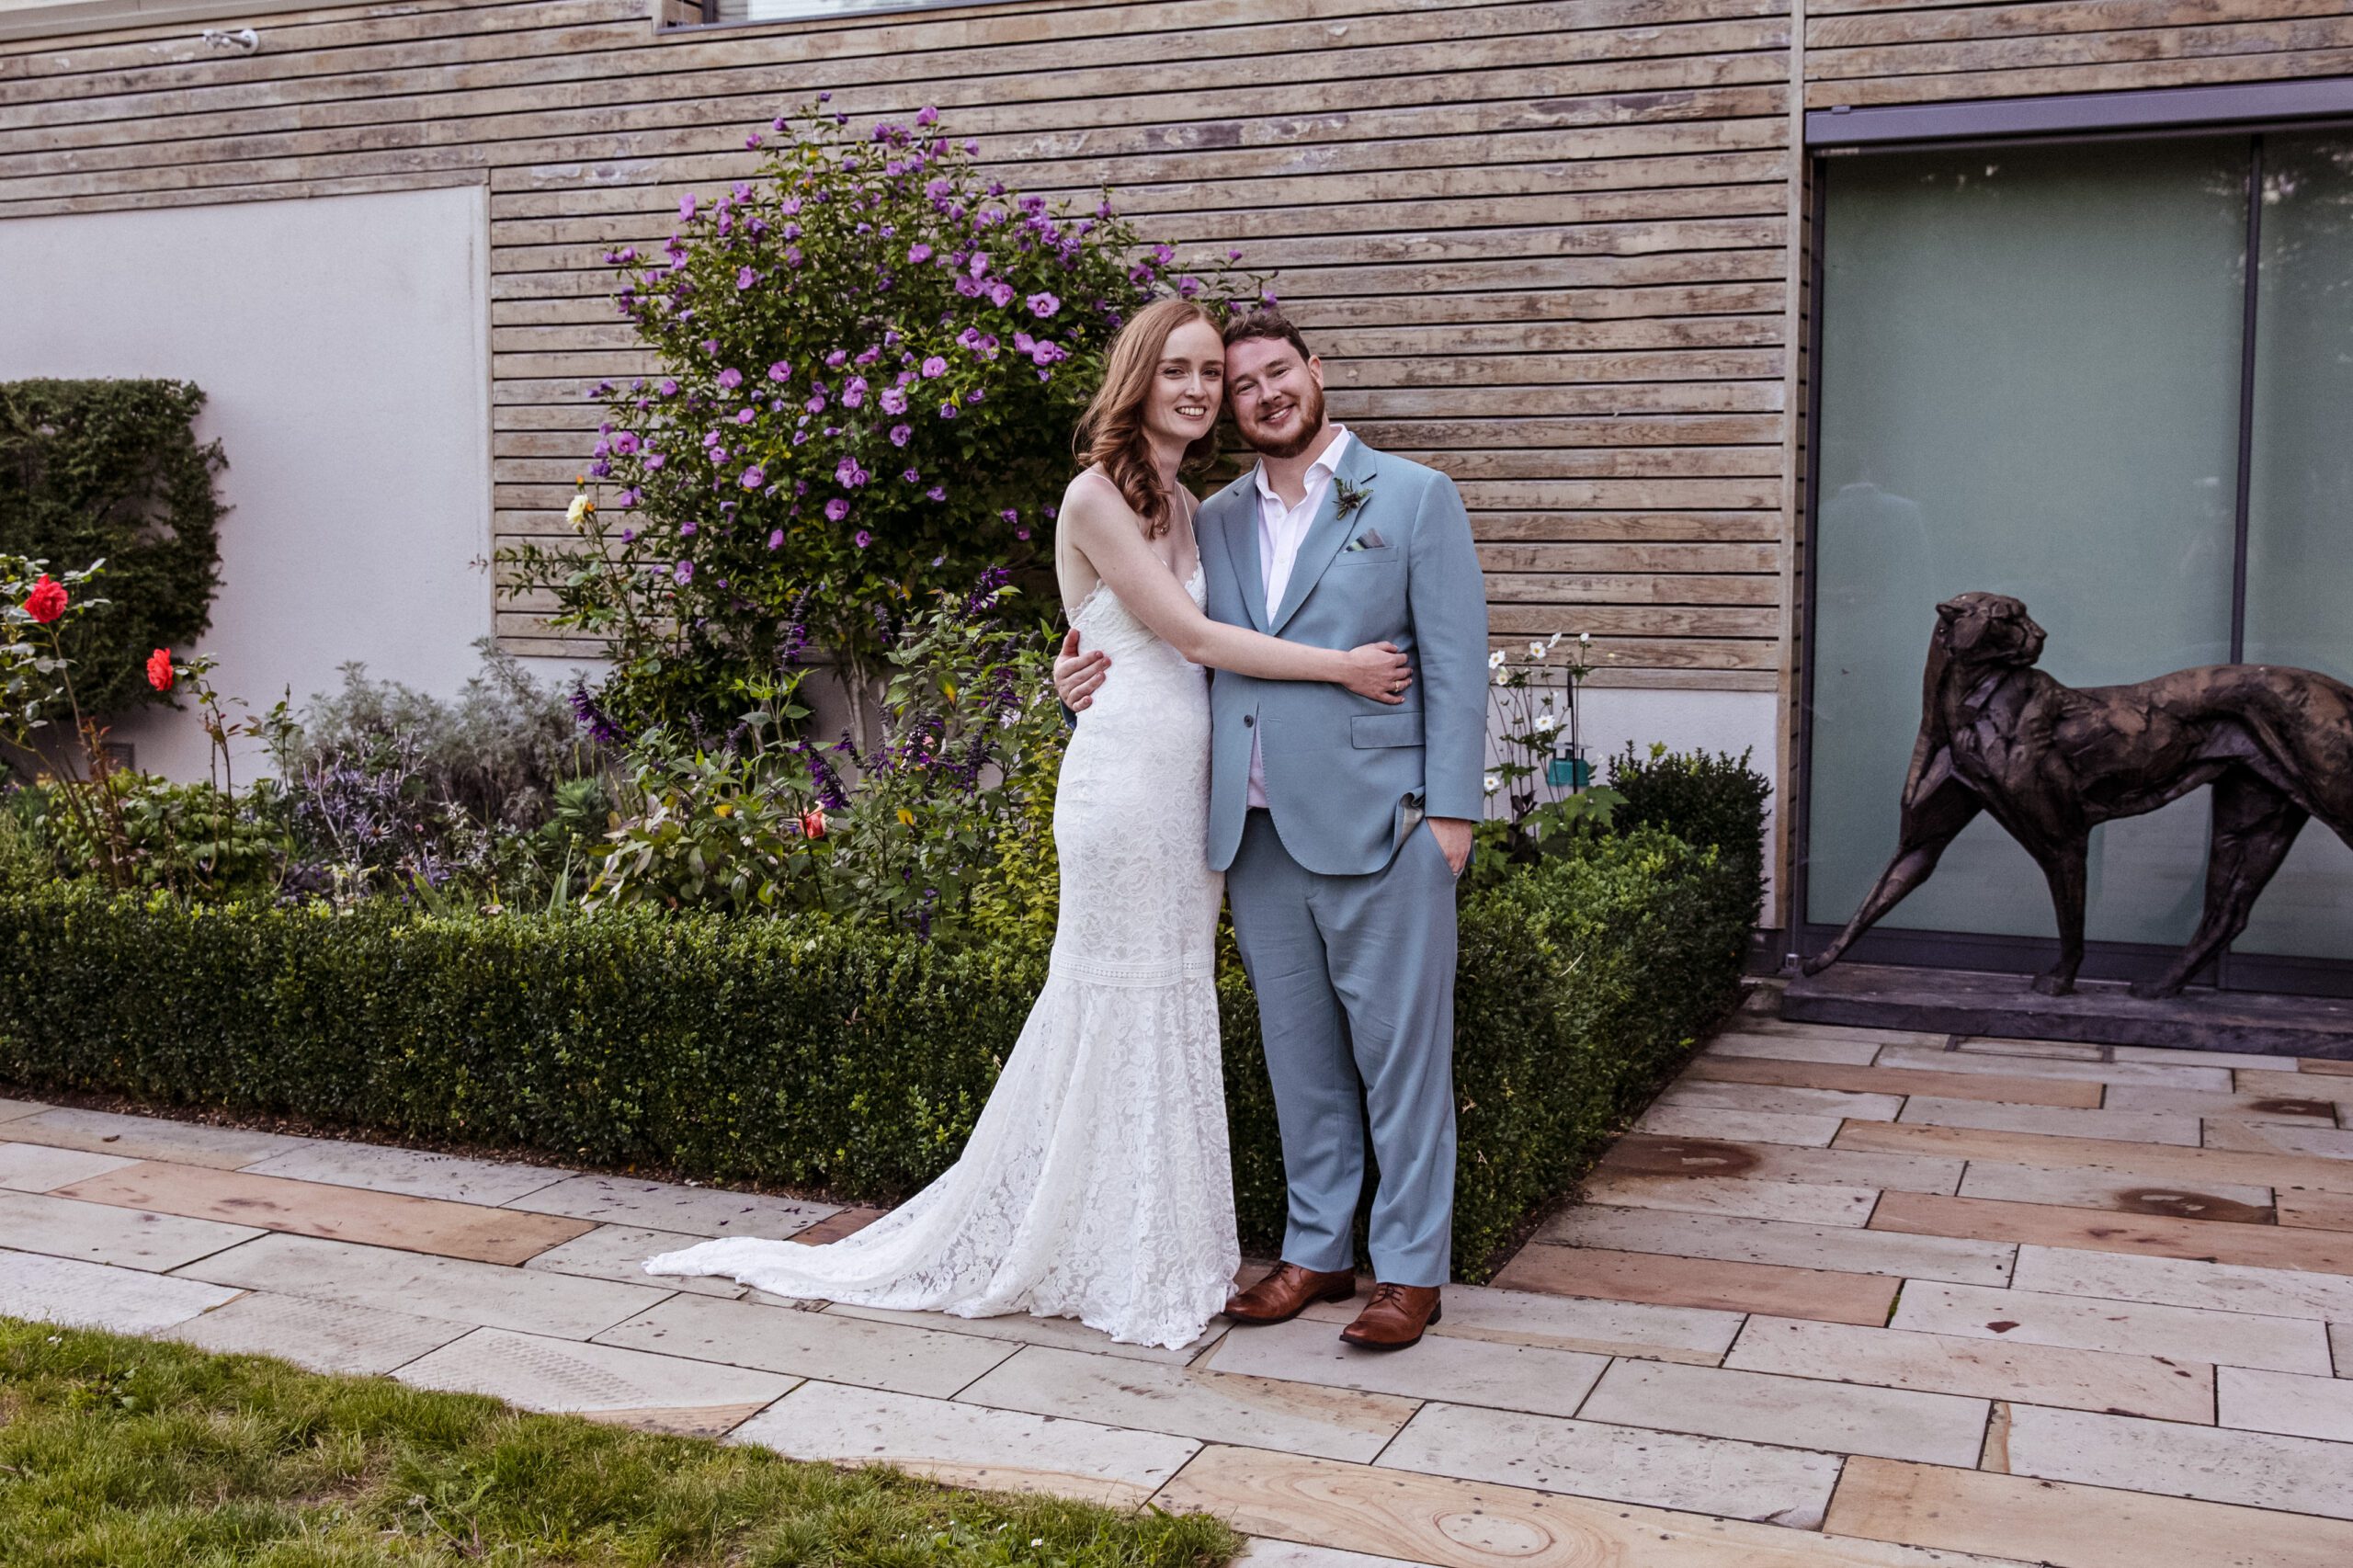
(129, 1453)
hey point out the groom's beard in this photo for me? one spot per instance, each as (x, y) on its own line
(1305, 429)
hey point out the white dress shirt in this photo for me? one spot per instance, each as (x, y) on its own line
(1281, 530)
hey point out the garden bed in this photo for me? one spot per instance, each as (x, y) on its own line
(811, 1053)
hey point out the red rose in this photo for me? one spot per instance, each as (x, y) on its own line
(812, 825)
(159, 669)
(47, 601)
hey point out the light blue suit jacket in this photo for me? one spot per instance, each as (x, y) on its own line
(1348, 777)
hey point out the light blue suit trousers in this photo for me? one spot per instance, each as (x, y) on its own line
(1342, 904)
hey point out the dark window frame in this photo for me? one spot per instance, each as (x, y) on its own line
(2249, 110)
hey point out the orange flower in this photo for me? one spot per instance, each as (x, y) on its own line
(47, 601)
(159, 669)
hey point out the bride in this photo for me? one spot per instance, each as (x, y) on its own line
(1095, 1185)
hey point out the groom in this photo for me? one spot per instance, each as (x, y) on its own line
(1342, 824)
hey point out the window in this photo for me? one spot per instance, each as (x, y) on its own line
(2033, 381)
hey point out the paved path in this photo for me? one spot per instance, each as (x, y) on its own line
(1844, 1297)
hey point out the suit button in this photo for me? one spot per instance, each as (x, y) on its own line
(1249, 720)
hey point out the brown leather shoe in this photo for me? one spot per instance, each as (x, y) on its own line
(1395, 1318)
(1287, 1292)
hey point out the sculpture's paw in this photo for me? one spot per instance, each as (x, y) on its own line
(2055, 984)
(2154, 990)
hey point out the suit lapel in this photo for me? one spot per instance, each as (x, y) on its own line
(1325, 535)
(1237, 530)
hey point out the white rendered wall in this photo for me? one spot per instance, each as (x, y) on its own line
(343, 345)
(1730, 722)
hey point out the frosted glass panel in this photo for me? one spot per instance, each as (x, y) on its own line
(2300, 516)
(2028, 386)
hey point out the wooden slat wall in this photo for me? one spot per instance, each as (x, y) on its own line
(1544, 242)
(1887, 52)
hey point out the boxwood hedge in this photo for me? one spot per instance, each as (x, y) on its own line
(809, 1054)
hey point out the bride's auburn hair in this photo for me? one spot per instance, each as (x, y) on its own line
(1111, 431)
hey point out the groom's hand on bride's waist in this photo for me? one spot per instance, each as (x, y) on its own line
(1077, 675)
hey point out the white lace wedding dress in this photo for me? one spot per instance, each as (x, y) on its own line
(1095, 1185)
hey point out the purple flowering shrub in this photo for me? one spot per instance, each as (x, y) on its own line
(913, 831)
(871, 361)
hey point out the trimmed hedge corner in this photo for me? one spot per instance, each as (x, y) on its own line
(809, 1055)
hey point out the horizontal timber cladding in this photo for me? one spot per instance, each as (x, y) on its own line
(1893, 51)
(1543, 243)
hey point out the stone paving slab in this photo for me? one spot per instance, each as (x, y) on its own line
(807, 1344)
(1259, 1552)
(11, 1109)
(2266, 1246)
(1964, 1260)
(2281, 1138)
(968, 1445)
(2186, 1282)
(2079, 1322)
(2104, 1190)
(2066, 1526)
(1696, 1335)
(1626, 1464)
(2118, 1126)
(325, 1337)
(413, 1172)
(1898, 1081)
(1765, 1098)
(2304, 1111)
(1761, 1407)
(1794, 1047)
(2153, 1075)
(2316, 1210)
(1807, 1203)
(97, 1295)
(2282, 1402)
(1987, 1368)
(36, 1168)
(2237, 1060)
(2150, 1162)
(150, 1138)
(2293, 1085)
(667, 1206)
(2047, 1050)
(1686, 1121)
(1067, 1333)
(481, 1295)
(2341, 1341)
(1465, 1371)
(564, 1375)
(1644, 1155)
(1290, 1418)
(2257, 1469)
(339, 1213)
(1663, 1280)
(1463, 1524)
(619, 1252)
(98, 1233)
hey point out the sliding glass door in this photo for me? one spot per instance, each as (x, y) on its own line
(2034, 381)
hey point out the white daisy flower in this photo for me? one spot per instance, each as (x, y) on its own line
(1494, 783)
(1495, 660)
(1536, 650)
(1545, 722)
(1585, 636)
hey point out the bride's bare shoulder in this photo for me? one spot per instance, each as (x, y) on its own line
(1092, 498)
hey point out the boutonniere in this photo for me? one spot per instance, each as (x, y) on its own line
(1352, 498)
